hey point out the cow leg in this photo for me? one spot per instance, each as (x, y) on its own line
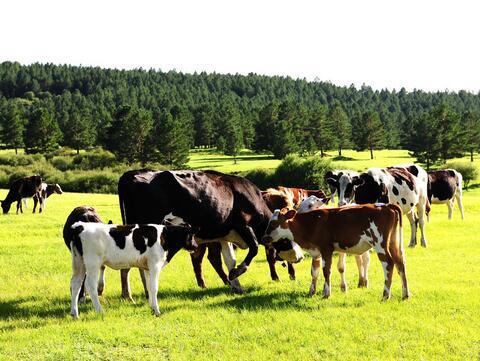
(215, 258)
(101, 281)
(249, 238)
(230, 261)
(421, 220)
(35, 202)
(291, 271)
(19, 206)
(270, 253)
(76, 283)
(144, 282)
(450, 208)
(82, 298)
(91, 283)
(154, 274)
(342, 266)
(327, 268)
(315, 272)
(366, 263)
(402, 271)
(413, 226)
(458, 195)
(124, 275)
(147, 277)
(387, 264)
(197, 258)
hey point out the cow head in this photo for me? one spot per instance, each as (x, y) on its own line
(57, 189)
(346, 185)
(6, 206)
(311, 203)
(279, 237)
(176, 237)
(371, 191)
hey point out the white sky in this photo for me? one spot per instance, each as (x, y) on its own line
(430, 45)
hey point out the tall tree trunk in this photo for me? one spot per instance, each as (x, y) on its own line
(471, 155)
(321, 153)
(16, 152)
(78, 151)
(340, 151)
(371, 153)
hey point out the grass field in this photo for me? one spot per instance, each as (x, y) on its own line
(273, 320)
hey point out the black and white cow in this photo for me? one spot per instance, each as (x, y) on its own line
(444, 187)
(149, 247)
(27, 187)
(224, 207)
(406, 186)
(338, 181)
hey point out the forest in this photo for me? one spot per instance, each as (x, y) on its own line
(148, 115)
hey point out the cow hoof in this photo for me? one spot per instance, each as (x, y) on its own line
(424, 244)
(237, 271)
(238, 290)
(275, 278)
(343, 288)
(129, 298)
(405, 297)
(292, 277)
(201, 284)
(100, 291)
(411, 245)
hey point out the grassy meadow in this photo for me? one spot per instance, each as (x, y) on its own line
(272, 321)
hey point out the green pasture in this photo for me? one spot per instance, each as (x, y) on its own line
(271, 321)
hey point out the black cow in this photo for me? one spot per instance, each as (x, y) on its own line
(27, 187)
(226, 208)
(444, 187)
(83, 214)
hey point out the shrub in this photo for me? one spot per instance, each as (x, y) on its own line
(306, 172)
(468, 170)
(97, 159)
(262, 178)
(62, 163)
(16, 160)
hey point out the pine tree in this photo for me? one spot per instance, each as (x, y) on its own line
(13, 128)
(42, 132)
(369, 133)
(424, 140)
(172, 141)
(321, 129)
(342, 129)
(471, 133)
(129, 133)
(230, 128)
(79, 132)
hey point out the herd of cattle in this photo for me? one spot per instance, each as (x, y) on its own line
(165, 211)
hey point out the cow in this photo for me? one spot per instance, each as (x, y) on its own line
(444, 187)
(22, 188)
(226, 208)
(332, 178)
(351, 229)
(47, 191)
(281, 197)
(149, 247)
(84, 214)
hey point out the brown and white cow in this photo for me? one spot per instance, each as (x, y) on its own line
(284, 197)
(352, 229)
(26, 187)
(47, 191)
(444, 187)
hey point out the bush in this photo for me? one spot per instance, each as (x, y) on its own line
(468, 170)
(62, 163)
(262, 178)
(307, 172)
(97, 159)
(16, 160)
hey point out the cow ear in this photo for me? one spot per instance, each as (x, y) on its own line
(290, 214)
(357, 181)
(332, 181)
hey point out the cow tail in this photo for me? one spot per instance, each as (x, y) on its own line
(76, 242)
(427, 209)
(122, 205)
(398, 223)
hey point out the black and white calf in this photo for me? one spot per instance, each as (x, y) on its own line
(444, 187)
(46, 191)
(341, 182)
(149, 247)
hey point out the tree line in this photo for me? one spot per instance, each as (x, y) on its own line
(149, 115)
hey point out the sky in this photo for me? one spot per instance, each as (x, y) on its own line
(428, 45)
